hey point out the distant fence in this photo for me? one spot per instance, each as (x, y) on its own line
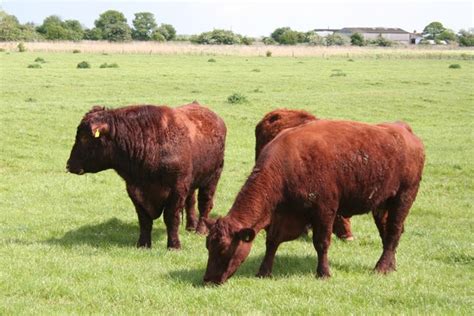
(171, 48)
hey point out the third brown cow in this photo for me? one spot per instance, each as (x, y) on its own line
(320, 169)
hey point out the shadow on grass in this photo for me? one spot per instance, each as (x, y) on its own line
(113, 232)
(284, 266)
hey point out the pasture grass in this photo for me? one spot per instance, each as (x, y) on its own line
(67, 242)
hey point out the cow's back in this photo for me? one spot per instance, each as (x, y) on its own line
(207, 134)
(276, 121)
(359, 164)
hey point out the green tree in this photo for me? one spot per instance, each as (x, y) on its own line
(357, 39)
(144, 25)
(336, 40)
(313, 38)
(277, 33)
(74, 29)
(53, 28)
(433, 30)
(168, 31)
(158, 37)
(9, 27)
(289, 37)
(382, 41)
(28, 32)
(447, 35)
(93, 34)
(217, 37)
(466, 37)
(113, 26)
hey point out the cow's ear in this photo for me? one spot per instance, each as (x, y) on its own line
(99, 129)
(209, 222)
(274, 117)
(246, 234)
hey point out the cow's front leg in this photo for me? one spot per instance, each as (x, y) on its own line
(172, 219)
(146, 225)
(266, 266)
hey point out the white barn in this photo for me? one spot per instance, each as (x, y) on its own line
(371, 33)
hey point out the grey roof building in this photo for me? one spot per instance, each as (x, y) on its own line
(370, 33)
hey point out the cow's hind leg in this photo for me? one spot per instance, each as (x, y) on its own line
(191, 221)
(380, 219)
(323, 222)
(391, 227)
(205, 201)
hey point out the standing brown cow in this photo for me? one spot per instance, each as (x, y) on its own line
(163, 154)
(319, 169)
(270, 126)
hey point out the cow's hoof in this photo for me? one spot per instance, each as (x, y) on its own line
(264, 274)
(190, 227)
(202, 229)
(323, 274)
(385, 269)
(174, 245)
(144, 244)
(386, 264)
(350, 238)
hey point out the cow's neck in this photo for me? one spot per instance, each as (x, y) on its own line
(131, 155)
(257, 199)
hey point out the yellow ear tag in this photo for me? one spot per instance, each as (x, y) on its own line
(97, 133)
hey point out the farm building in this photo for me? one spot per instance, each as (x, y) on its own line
(370, 33)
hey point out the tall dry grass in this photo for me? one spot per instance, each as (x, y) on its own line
(172, 48)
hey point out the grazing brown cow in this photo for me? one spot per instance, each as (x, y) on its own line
(310, 173)
(270, 126)
(163, 154)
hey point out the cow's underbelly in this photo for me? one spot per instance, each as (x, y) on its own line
(154, 198)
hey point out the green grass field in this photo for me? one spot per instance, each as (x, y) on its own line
(67, 242)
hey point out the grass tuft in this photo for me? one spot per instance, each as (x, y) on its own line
(40, 60)
(105, 65)
(237, 98)
(34, 66)
(455, 66)
(83, 65)
(338, 73)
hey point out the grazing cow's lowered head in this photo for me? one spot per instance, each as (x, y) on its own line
(228, 248)
(92, 151)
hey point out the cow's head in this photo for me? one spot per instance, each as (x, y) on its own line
(228, 247)
(92, 150)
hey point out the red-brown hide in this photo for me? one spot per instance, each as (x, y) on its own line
(163, 154)
(321, 168)
(269, 127)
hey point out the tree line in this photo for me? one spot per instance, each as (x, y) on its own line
(112, 26)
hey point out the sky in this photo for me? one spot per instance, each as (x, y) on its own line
(258, 18)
